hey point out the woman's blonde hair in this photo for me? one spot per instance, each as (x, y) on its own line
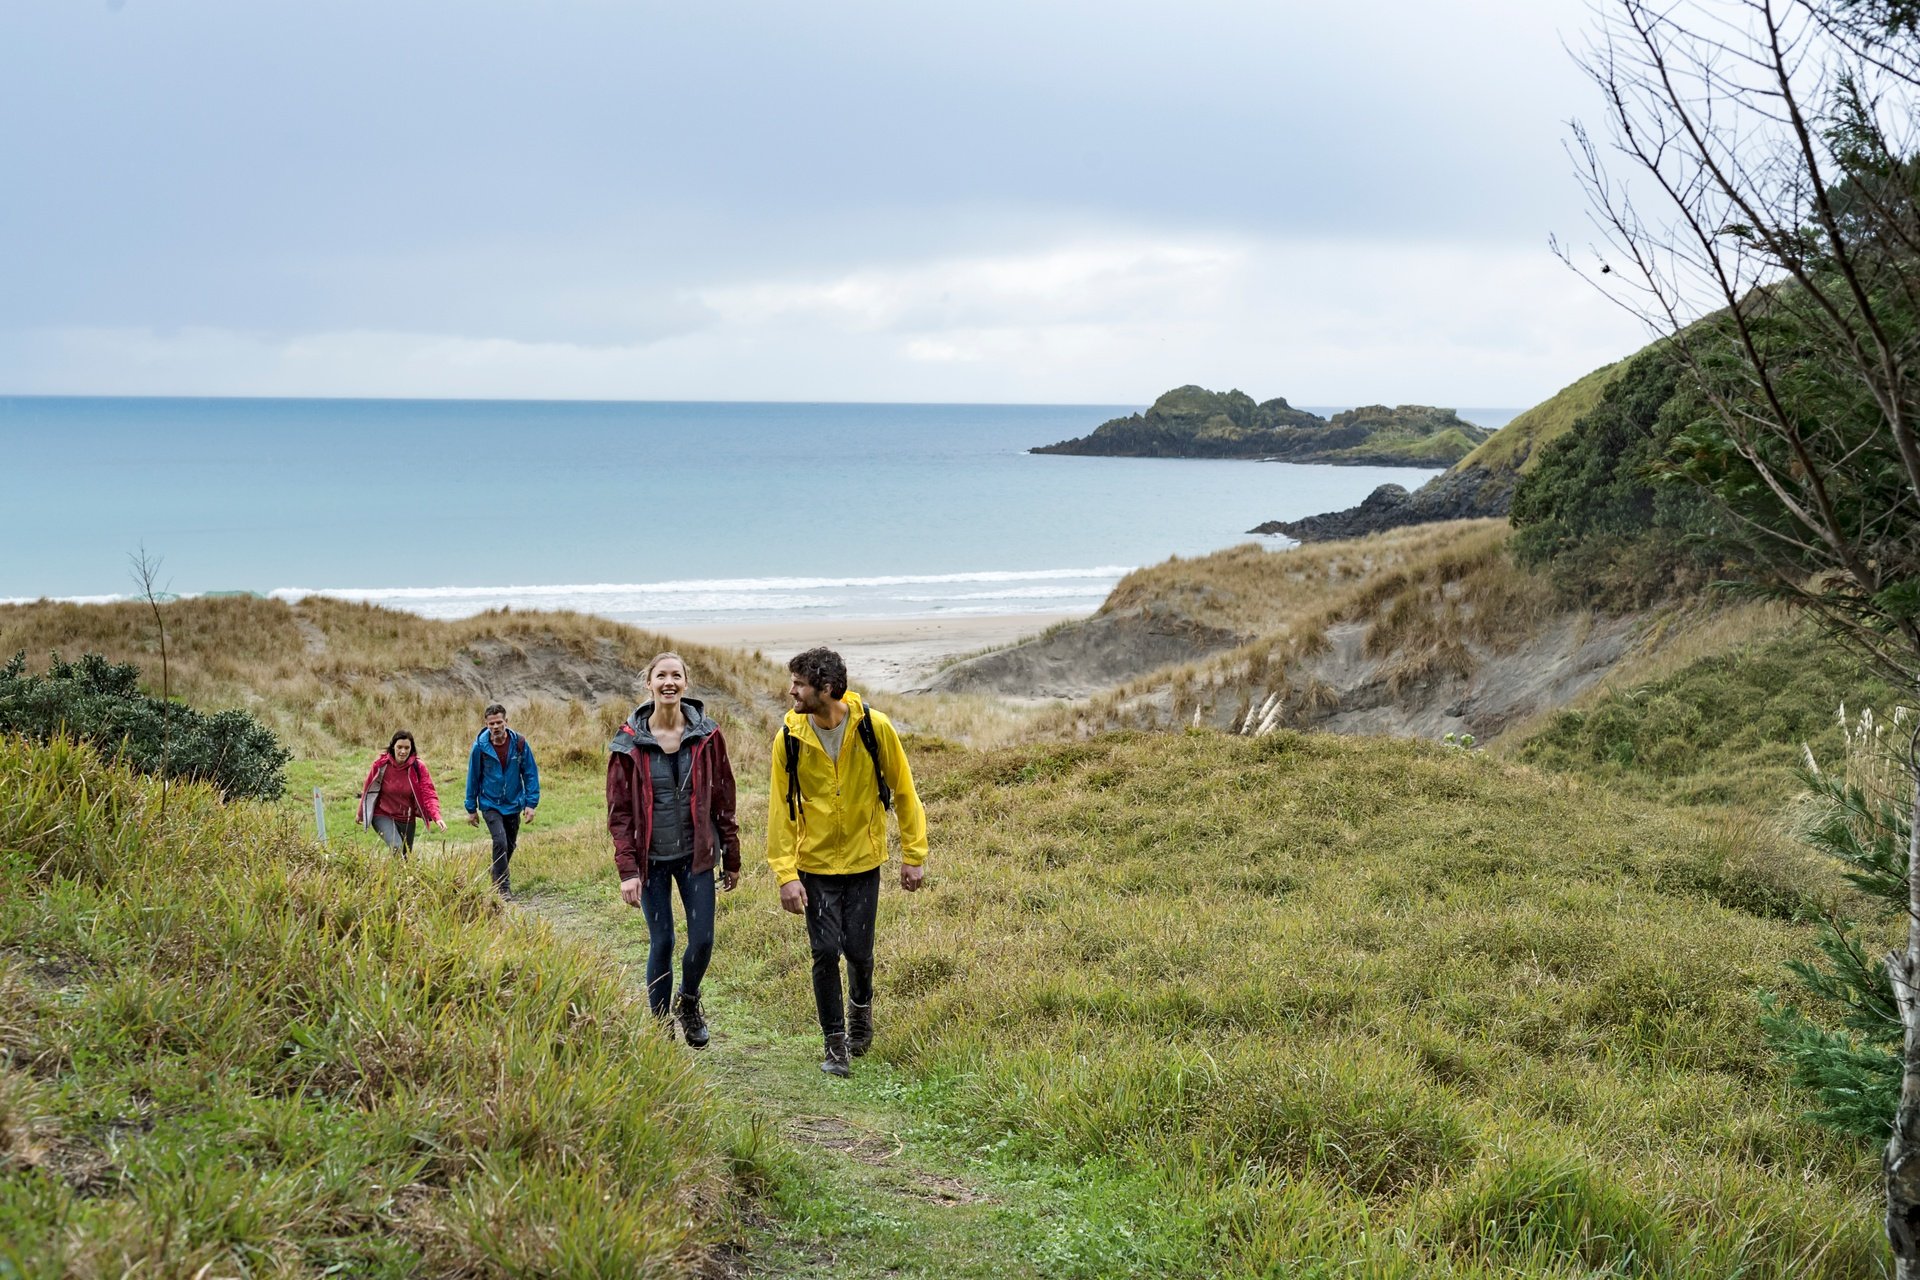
(659, 658)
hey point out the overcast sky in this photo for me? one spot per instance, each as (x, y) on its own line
(997, 200)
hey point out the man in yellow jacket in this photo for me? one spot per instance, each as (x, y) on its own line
(837, 768)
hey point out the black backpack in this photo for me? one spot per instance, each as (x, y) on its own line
(796, 804)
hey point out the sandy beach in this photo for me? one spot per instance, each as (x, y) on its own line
(883, 654)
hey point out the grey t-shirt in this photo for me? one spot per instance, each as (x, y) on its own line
(832, 738)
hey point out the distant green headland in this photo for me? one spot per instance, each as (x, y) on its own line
(1192, 422)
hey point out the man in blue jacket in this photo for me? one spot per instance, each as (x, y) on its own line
(503, 786)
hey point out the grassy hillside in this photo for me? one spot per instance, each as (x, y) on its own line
(1251, 590)
(1515, 446)
(225, 1050)
(1311, 1006)
(327, 675)
(1175, 1004)
(1421, 609)
(334, 680)
(1730, 726)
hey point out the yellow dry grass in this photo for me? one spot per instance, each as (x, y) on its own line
(1252, 591)
(330, 676)
(1430, 597)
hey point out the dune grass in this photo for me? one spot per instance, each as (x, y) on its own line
(1252, 590)
(334, 680)
(225, 1050)
(1432, 600)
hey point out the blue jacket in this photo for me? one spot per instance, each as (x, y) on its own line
(507, 790)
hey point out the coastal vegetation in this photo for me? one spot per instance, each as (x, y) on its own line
(1212, 1003)
(1195, 990)
(97, 701)
(1192, 422)
(226, 1049)
(1591, 510)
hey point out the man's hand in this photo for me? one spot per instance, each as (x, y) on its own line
(793, 897)
(526, 815)
(912, 877)
(630, 891)
(729, 880)
(473, 819)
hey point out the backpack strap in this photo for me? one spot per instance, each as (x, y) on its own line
(872, 741)
(796, 805)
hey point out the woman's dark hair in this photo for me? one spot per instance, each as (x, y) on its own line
(821, 668)
(399, 734)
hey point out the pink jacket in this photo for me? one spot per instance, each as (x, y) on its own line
(426, 801)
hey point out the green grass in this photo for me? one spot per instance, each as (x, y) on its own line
(1313, 1006)
(1728, 728)
(1178, 1004)
(225, 1050)
(1516, 446)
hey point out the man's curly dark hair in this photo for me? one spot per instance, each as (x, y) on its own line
(822, 668)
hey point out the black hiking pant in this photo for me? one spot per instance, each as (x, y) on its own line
(505, 830)
(840, 915)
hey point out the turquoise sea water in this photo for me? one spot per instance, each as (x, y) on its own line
(643, 511)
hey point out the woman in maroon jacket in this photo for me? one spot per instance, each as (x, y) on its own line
(669, 809)
(399, 789)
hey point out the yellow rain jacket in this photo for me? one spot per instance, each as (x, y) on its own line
(841, 827)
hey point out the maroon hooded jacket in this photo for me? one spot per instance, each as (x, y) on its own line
(630, 792)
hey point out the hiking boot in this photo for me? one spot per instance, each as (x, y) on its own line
(693, 1024)
(837, 1062)
(859, 1027)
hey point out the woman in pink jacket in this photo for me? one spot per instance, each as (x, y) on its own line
(397, 790)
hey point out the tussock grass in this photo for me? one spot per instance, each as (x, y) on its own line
(1364, 1007)
(334, 679)
(1432, 602)
(1251, 590)
(974, 719)
(1724, 716)
(227, 1051)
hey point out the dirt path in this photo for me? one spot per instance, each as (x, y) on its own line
(886, 1195)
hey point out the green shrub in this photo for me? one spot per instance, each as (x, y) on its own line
(98, 701)
(1591, 512)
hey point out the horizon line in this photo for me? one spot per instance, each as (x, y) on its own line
(406, 399)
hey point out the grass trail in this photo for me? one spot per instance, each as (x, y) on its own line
(873, 1186)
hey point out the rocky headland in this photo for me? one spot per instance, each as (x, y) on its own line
(1478, 486)
(1192, 422)
(1460, 493)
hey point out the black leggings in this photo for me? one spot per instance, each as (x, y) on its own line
(505, 830)
(840, 913)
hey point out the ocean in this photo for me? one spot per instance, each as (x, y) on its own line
(647, 512)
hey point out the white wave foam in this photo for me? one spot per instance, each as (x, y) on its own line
(1096, 590)
(69, 599)
(593, 589)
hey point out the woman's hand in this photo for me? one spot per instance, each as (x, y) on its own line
(440, 823)
(630, 891)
